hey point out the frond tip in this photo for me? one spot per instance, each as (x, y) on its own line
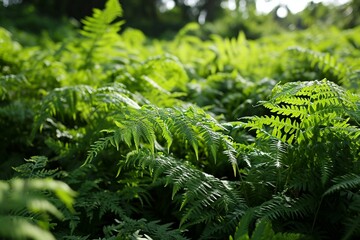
(100, 22)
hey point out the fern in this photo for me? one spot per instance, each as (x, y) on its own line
(64, 103)
(352, 224)
(9, 82)
(284, 207)
(230, 94)
(303, 109)
(262, 170)
(317, 122)
(114, 96)
(263, 231)
(71, 113)
(96, 26)
(140, 127)
(166, 71)
(101, 32)
(19, 113)
(309, 65)
(348, 187)
(101, 200)
(72, 102)
(346, 182)
(160, 80)
(129, 228)
(34, 221)
(243, 226)
(9, 53)
(151, 122)
(199, 191)
(35, 168)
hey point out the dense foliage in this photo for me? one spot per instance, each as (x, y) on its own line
(115, 136)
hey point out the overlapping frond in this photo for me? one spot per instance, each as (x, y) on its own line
(309, 65)
(148, 126)
(82, 103)
(204, 198)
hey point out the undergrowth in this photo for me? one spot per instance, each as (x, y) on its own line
(116, 136)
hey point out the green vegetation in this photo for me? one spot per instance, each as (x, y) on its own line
(117, 136)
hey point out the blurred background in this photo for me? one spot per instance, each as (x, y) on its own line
(164, 18)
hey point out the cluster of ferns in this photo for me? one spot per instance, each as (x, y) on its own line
(110, 135)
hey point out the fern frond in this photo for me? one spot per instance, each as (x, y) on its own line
(147, 126)
(135, 131)
(283, 129)
(66, 102)
(184, 126)
(199, 190)
(166, 72)
(302, 108)
(244, 224)
(284, 207)
(263, 231)
(109, 202)
(24, 229)
(151, 229)
(114, 96)
(352, 222)
(352, 228)
(198, 127)
(101, 32)
(81, 105)
(327, 170)
(99, 24)
(225, 225)
(97, 147)
(12, 199)
(9, 82)
(317, 65)
(345, 182)
(35, 168)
